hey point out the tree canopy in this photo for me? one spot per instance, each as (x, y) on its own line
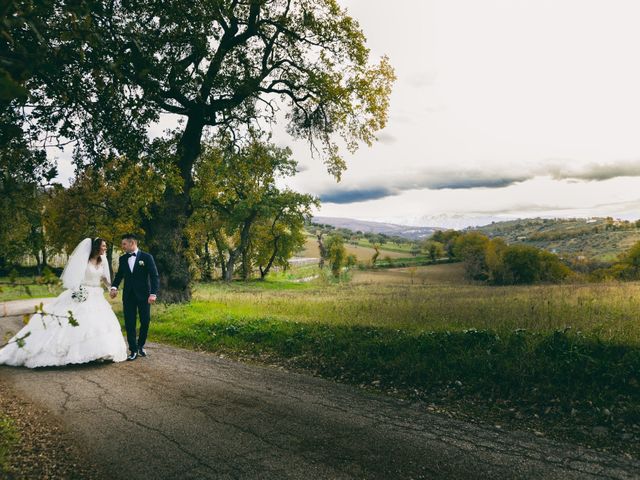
(102, 72)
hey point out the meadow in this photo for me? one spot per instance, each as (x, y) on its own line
(433, 298)
(363, 251)
(24, 288)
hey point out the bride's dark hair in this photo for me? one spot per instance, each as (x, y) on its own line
(95, 250)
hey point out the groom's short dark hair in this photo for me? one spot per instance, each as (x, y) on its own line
(130, 236)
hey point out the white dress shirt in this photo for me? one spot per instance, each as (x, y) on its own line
(132, 260)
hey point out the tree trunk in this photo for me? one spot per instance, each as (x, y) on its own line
(246, 268)
(323, 250)
(263, 273)
(221, 259)
(245, 237)
(110, 260)
(228, 274)
(207, 270)
(165, 229)
(241, 248)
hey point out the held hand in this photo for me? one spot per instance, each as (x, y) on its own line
(113, 293)
(151, 300)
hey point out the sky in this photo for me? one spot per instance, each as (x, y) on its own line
(501, 109)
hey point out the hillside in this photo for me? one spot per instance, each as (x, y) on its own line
(600, 239)
(597, 238)
(362, 253)
(391, 229)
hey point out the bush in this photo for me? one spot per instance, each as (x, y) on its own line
(501, 264)
(627, 268)
(336, 253)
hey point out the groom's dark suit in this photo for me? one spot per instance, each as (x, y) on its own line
(138, 285)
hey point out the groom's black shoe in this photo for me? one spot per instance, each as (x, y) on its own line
(142, 352)
(132, 356)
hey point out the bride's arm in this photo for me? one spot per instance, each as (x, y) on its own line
(106, 273)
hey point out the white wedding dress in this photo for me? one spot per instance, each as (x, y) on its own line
(54, 341)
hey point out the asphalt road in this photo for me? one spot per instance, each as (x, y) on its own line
(180, 414)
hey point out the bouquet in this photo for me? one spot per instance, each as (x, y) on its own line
(79, 295)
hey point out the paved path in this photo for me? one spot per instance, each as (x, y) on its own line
(20, 307)
(180, 414)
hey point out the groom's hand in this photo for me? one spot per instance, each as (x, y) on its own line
(152, 299)
(113, 293)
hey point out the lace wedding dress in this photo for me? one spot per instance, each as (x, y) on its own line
(54, 341)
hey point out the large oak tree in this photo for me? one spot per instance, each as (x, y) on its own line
(219, 65)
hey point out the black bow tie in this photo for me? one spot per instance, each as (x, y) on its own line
(131, 255)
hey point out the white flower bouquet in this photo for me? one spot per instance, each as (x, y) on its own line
(80, 295)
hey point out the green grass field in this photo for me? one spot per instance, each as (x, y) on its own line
(362, 252)
(25, 287)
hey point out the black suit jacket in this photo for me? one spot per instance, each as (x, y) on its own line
(144, 279)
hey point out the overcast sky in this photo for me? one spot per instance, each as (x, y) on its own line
(501, 108)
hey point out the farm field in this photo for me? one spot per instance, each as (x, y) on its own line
(362, 253)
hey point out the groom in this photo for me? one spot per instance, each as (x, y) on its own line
(140, 275)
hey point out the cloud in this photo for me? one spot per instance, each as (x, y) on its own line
(356, 194)
(442, 179)
(595, 171)
(433, 180)
(468, 179)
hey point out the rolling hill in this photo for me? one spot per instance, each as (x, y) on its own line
(597, 238)
(405, 231)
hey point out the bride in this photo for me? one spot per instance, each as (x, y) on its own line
(50, 339)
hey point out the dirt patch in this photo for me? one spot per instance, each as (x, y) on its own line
(44, 449)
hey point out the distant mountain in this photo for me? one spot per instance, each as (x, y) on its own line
(444, 221)
(406, 231)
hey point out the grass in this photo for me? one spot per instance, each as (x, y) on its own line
(388, 246)
(8, 441)
(558, 359)
(24, 288)
(362, 253)
(434, 274)
(611, 311)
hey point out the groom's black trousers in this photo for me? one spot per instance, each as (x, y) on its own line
(132, 305)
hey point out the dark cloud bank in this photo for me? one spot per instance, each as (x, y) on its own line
(461, 179)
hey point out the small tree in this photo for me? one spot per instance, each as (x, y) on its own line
(336, 254)
(322, 248)
(471, 248)
(433, 248)
(522, 264)
(375, 256)
(281, 234)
